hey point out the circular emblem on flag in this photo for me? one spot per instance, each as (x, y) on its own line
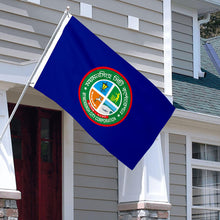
(105, 96)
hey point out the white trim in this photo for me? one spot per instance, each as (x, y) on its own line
(197, 127)
(35, 1)
(216, 2)
(85, 10)
(166, 157)
(189, 177)
(167, 24)
(206, 208)
(67, 167)
(196, 47)
(133, 23)
(149, 181)
(206, 140)
(195, 116)
(182, 9)
(67, 148)
(51, 47)
(199, 164)
(193, 163)
(205, 165)
(7, 180)
(16, 73)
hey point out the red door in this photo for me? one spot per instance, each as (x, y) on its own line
(36, 142)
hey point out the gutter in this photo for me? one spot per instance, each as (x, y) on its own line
(195, 116)
(206, 19)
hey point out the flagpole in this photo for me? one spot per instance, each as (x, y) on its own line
(66, 13)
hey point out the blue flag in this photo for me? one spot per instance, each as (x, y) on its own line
(110, 99)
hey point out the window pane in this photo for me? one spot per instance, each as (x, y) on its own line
(15, 127)
(45, 128)
(199, 214)
(17, 149)
(198, 177)
(198, 151)
(213, 153)
(16, 138)
(206, 152)
(46, 151)
(199, 185)
(206, 190)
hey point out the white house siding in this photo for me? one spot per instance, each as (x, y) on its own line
(95, 175)
(177, 157)
(182, 33)
(25, 30)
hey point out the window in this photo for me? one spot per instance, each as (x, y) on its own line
(16, 138)
(46, 140)
(205, 181)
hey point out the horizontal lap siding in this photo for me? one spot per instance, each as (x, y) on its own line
(177, 176)
(27, 28)
(25, 31)
(95, 169)
(182, 33)
(95, 179)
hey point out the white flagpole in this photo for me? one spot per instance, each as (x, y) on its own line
(66, 13)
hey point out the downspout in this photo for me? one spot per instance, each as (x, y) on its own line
(205, 20)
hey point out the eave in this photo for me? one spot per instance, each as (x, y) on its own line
(202, 6)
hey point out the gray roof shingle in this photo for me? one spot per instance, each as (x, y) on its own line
(199, 95)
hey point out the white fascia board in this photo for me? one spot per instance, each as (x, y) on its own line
(16, 73)
(216, 2)
(182, 9)
(202, 6)
(196, 116)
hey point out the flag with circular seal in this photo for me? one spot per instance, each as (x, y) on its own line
(119, 107)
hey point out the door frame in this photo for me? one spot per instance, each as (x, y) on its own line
(67, 166)
(38, 100)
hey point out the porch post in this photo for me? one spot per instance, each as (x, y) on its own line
(8, 191)
(143, 191)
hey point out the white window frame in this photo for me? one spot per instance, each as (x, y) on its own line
(198, 164)
(67, 166)
(196, 127)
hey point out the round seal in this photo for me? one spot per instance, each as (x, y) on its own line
(105, 96)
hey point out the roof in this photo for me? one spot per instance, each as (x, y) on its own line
(200, 95)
